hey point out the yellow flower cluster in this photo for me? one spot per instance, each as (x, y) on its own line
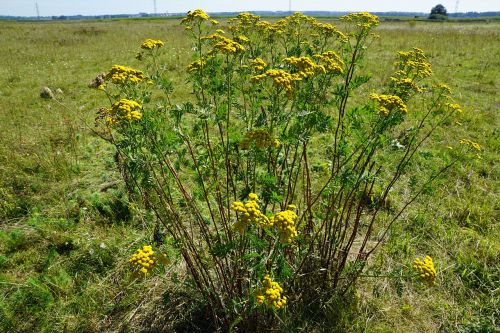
(196, 15)
(363, 20)
(258, 64)
(284, 222)
(150, 44)
(305, 66)
(404, 87)
(470, 143)
(196, 65)
(332, 62)
(123, 74)
(426, 269)
(387, 103)
(280, 78)
(250, 213)
(124, 109)
(443, 87)
(143, 260)
(242, 39)
(413, 64)
(242, 21)
(261, 138)
(267, 27)
(224, 45)
(270, 294)
(329, 30)
(455, 107)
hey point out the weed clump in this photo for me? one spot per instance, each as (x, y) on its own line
(229, 174)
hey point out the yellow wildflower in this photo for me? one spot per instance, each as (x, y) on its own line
(123, 75)
(124, 109)
(413, 63)
(281, 79)
(261, 138)
(426, 269)
(388, 103)
(405, 86)
(242, 39)
(225, 45)
(270, 294)
(196, 15)
(329, 30)
(304, 65)
(443, 87)
(284, 222)
(332, 62)
(150, 44)
(472, 144)
(196, 65)
(363, 20)
(249, 213)
(258, 64)
(143, 260)
(455, 107)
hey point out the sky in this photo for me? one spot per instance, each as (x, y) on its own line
(98, 7)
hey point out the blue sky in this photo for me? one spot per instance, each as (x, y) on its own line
(95, 7)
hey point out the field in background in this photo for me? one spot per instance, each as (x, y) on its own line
(67, 229)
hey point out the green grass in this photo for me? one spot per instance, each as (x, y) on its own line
(67, 228)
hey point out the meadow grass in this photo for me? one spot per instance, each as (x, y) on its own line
(67, 228)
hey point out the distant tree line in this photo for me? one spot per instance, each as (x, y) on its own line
(262, 13)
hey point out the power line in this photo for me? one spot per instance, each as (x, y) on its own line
(37, 10)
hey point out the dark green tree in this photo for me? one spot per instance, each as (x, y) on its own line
(438, 13)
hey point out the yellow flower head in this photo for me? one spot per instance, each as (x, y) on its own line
(124, 110)
(329, 30)
(196, 65)
(243, 22)
(270, 294)
(305, 66)
(474, 145)
(261, 138)
(258, 64)
(389, 103)
(363, 20)
(196, 15)
(249, 213)
(150, 44)
(413, 63)
(443, 87)
(284, 222)
(224, 45)
(125, 75)
(455, 107)
(426, 269)
(143, 260)
(281, 78)
(405, 86)
(331, 62)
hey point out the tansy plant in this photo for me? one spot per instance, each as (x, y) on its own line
(271, 180)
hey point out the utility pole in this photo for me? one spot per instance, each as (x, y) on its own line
(290, 6)
(456, 6)
(37, 10)
(155, 6)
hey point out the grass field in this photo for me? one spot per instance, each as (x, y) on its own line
(67, 229)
